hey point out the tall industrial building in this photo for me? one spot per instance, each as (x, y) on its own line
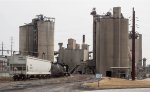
(73, 55)
(37, 38)
(111, 42)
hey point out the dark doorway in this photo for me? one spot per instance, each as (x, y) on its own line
(108, 73)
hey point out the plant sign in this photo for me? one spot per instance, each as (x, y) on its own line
(98, 76)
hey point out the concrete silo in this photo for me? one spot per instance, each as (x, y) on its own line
(37, 38)
(104, 45)
(26, 39)
(111, 42)
(46, 39)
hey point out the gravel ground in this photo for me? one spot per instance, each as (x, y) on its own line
(63, 84)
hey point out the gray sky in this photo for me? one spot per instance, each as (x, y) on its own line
(73, 18)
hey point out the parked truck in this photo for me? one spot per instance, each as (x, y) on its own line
(25, 67)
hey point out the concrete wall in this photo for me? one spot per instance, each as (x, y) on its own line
(121, 43)
(26, 39)
(46, 40)
(104, 45)
(73, 57)
(124, 59)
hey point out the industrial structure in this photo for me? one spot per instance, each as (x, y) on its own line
(111, 42)
(4, 70)
(138, 54)
(37, 38)
(114, 50)
(73, 56)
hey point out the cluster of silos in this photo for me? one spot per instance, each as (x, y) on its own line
(37, 38)
(111, 41)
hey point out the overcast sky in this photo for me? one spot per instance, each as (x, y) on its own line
(73, 18)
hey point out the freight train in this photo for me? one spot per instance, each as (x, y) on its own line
(25, 67)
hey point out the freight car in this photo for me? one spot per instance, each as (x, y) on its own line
(25, 67)
(59, 69)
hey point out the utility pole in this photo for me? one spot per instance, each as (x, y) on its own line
(133, 46)
(2, 48)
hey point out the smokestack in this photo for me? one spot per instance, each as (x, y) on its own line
(60, 45)
(83, 39)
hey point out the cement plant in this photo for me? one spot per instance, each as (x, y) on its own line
(116, 55)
